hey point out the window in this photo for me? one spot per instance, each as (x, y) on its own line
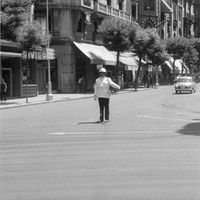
(80, 26)
(95, 27)
(180, 14)
(120, 6)
(109, 2)
(149, 5)
(87, 3)
(134, 12)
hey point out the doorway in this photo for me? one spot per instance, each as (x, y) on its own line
(7, 76)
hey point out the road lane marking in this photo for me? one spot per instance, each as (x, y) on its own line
(107, 132)
(163, 118)
(57, 133)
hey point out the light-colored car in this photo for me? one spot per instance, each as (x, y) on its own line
(185, 83)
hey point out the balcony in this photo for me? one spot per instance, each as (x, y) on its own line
(88, 4)
(68, 3)
(108, 10)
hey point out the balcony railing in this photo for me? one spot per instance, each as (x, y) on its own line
(99, 7)
(108, 10)
(78, 3)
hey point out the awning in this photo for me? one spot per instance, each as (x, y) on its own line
(130, 60)
(97, 54)
(10, 54)
(179, 64)
(165, 7)
(169, 65)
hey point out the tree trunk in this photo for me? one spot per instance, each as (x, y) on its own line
(117, 67)
(138, 73)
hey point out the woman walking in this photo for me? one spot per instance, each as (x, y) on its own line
(102, 93)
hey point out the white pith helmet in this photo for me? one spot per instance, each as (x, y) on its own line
(102, 70)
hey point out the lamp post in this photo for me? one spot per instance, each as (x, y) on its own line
(49, 96)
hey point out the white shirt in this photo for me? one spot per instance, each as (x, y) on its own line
(102, 87)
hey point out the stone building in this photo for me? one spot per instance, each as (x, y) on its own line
(197, 18)
(77, 43)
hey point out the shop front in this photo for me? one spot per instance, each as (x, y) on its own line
(88, 59)
(11, 67)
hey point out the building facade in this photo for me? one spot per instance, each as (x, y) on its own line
(78, 44)
(172, 18)
(74, 26)
(197, 18)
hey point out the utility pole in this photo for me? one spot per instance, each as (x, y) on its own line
(49, 96)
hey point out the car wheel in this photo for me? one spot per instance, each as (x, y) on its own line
(176, 92)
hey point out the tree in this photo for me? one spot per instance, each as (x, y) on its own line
(177, 47)
(158, 54)
(190, 57)
(13, 15)
(116, 36)
(144, 42)
(31, 35)
(196, 42)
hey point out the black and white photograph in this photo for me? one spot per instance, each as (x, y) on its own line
(100, 100)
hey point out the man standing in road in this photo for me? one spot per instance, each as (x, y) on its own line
(3, 90)
(102, 92)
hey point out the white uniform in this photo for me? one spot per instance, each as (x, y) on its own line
(102, 87)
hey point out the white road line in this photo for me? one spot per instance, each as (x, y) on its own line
(57, 133)
(107, 132)
(163, 118)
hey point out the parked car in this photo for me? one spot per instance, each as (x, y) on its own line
(185, 83)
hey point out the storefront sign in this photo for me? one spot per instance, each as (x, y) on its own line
(36, 55)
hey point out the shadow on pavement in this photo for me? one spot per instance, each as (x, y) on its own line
(191, 129)
(87, 123)
(90, 123)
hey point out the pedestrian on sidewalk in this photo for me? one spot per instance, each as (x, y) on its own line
(3, 90)
(102, 93)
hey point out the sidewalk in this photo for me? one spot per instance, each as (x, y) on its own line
(41, 99)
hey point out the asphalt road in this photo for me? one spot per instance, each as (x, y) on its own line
(148, 151)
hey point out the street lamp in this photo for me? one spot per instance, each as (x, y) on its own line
(49, 96)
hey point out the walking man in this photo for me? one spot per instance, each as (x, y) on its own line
(3, 90)
(102, 92)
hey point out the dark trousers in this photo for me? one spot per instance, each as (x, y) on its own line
(3, 96)
(104, 106)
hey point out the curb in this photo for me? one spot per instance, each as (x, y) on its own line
(65, 99)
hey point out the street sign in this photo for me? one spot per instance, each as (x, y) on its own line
(50, 54)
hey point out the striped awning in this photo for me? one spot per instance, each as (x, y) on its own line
(10, 54)
(129, 59)
(97, 54)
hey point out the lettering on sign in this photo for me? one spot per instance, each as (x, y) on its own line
(36, 55)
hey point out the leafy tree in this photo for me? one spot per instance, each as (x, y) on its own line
(196, 42)
(31, 35)
(13, 14)
(144, 42)
(191, 56)
(177, 47)
(158, 54)
(116, 36)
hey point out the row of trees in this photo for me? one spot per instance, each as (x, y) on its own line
(120, 36)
